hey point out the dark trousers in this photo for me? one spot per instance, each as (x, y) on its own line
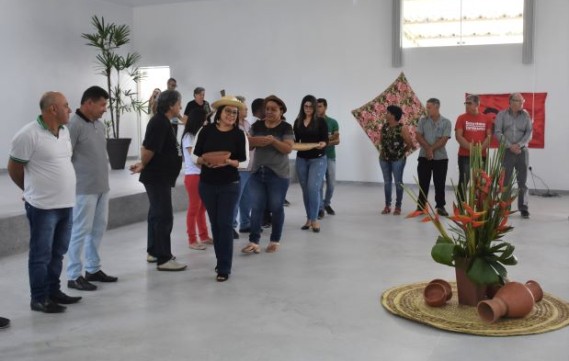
(220, 201)
(438, 170)
(50, 232)
(160, 221)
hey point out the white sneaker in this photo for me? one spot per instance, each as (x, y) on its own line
(151, 259)
(171, 265)
(198, 246)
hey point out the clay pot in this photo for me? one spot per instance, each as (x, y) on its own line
(437, 293)
(446, 285)
(512, 300)
(216, 158)
(535, 290)
(469, 293)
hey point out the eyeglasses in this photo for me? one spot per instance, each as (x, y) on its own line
(230, 112)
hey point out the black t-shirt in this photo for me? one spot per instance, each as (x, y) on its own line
(211, 139)
(166, 163)
(194, 105)
(316, 134)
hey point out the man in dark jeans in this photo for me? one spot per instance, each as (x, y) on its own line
(40, 165)
(160, 164)
(433, 132)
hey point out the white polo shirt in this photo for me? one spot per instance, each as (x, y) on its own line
(49, 177)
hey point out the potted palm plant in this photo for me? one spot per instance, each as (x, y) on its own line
(473, 243)
(121, 72)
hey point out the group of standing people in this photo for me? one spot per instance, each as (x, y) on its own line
(512, 126)
(254, 177)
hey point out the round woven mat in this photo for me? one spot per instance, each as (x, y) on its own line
(407, 301)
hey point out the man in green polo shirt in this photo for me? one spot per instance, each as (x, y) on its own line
(334, 140)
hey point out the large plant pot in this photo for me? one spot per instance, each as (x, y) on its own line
(469, 293)
(117, 149)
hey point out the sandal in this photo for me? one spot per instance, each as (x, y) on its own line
(272, 247)
(207, 241)
(397, 211)
(386, 210)
(251, 248)
(315, 227)
(198, 246)
(222, 277)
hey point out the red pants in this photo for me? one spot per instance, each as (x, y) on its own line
(196, 210)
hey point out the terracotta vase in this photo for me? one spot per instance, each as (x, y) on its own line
(535, 290)
(437, 293)
(446, 285)
(469, 293)
(512, 300)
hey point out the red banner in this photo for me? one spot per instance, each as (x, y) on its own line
(491, 104)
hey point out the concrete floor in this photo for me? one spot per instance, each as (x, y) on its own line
(318, 298)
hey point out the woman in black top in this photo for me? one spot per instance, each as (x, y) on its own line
(311, 164)
(161, 160)
(219, 183)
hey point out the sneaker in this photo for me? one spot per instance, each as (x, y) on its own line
(81, 284)
(329, 210)
(207, 241)
(441, 211)
(386, 210)
(524, 214)
(100, 276)
(198, 246)
(397, 211)
(151, 259)
(235, 234)
(321, 214)
(4, 322)
(171, 266)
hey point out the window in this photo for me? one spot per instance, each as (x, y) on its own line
(430, 23)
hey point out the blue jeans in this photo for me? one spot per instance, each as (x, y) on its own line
(220, 201)
(267, 189)
(50, 230)
(243, 206)
(330, 182)
(393, 170)
(90, 216)
(310, 174)
(160, 221)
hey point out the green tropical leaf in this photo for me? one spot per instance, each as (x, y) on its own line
(482, 272)
(443, 252)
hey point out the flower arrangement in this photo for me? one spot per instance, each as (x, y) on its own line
(478, 223)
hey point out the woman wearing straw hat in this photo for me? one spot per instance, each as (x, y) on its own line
(219, 181)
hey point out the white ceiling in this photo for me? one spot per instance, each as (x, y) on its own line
(135, 3)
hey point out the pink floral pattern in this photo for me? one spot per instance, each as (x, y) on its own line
(371, 115)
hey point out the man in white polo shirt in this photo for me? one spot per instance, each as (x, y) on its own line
(40, 164)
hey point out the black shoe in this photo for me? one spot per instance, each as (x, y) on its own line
(321, 214)
(4, 322)
(99, 276)
(235, 234)
(329, 210)
(286, 203)
(63, 299)
(245, 230)
(47, 307)
(525, 214)
(441, 211)
(81, 284)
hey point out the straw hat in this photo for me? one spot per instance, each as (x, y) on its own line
(229, 100)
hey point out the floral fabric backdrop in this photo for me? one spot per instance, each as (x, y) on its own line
(371, 115)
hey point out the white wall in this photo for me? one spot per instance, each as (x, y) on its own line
(337, 49)
(42, 50)
(340, 50)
